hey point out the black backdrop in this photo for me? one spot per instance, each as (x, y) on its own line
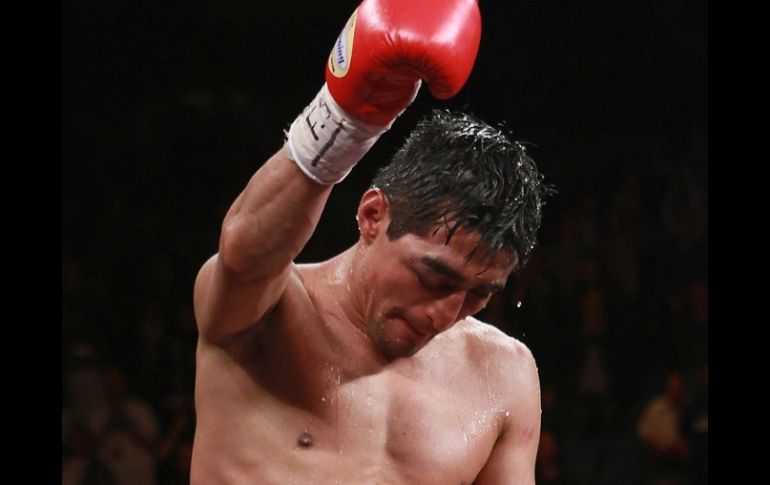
(168, 109)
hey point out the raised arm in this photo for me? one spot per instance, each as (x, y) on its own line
(373, 73)
(264, 230)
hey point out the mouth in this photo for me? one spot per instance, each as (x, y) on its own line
(414, 328)
(420, 332)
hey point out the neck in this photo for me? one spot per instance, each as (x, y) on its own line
(347, 301)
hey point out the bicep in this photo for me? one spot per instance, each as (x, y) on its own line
(512, 460)
(226, 304)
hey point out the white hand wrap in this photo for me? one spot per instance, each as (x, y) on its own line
(325, 142)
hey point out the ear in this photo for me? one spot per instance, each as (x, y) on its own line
(373, 214)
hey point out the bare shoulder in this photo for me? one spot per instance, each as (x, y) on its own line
(503, 361)
(486, 342)
(507, 365)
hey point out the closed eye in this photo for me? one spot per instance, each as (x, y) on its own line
(441, 278)
(445, 287)
(433, 285)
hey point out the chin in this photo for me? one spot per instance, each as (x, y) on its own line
(396, 351)
(394, 346)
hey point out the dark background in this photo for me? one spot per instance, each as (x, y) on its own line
(169, 109)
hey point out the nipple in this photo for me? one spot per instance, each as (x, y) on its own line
(305, 440)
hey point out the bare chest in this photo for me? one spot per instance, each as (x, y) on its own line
(301, 415)
(389, 420)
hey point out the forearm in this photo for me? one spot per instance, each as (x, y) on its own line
(272, 219)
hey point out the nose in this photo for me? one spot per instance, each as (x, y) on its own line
(445, 311)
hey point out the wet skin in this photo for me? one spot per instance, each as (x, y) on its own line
(370, 369)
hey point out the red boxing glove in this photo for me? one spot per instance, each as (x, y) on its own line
(388, 46)
(374, 72)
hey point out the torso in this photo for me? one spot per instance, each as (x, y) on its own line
(285, 403)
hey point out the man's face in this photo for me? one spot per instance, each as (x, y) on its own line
(417, 287)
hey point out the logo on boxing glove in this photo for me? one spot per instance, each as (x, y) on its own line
(339, 59)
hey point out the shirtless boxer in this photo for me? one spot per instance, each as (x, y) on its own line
(369, 368)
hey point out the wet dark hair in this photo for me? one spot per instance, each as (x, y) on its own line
(458, 169)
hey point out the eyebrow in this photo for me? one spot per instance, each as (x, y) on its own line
(441, 267)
